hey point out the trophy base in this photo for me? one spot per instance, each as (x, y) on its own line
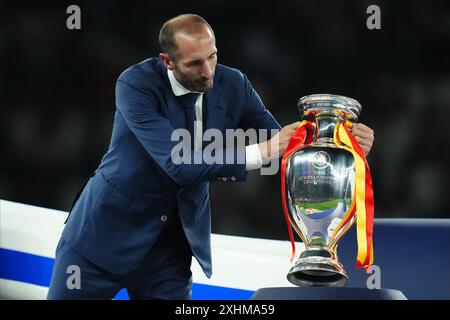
(317, 268)
(294, 293)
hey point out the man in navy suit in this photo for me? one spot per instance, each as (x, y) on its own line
(142, 216)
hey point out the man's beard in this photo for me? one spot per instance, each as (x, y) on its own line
(200, 85)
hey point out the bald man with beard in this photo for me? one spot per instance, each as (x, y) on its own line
(140, 217)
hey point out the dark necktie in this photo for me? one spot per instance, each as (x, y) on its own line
(188, 100)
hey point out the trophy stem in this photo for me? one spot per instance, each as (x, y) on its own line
(318, 267)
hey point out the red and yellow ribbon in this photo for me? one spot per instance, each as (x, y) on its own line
(363, 196)
(362, 203)
(301, 138)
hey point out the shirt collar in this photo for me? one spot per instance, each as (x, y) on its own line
(177, 88)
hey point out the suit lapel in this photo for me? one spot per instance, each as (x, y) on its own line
(215, 109)
(176, 112)
(173, 105)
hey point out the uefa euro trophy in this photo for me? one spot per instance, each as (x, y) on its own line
(319, 180)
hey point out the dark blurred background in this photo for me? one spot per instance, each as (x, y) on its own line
(57, 92)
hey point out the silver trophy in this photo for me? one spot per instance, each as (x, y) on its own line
(319, 188)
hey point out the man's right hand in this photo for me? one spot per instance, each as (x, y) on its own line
(275, 147)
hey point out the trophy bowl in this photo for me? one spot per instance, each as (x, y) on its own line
(319, 189)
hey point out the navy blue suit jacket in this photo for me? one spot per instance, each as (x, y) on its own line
(117, 216)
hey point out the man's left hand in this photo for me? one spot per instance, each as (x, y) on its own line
(364, 135)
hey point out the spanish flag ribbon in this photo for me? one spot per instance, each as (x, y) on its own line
(301, 138)
(363, 202)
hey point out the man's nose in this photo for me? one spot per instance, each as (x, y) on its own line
(206, 70)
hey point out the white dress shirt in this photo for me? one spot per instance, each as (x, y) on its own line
(253, 158)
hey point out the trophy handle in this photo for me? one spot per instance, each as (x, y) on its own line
(349, 217)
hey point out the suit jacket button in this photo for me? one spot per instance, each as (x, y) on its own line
(233, 178)
(224, 179)
(163, 218)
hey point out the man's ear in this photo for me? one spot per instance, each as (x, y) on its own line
(167, 61)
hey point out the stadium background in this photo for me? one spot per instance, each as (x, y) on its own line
(57, 92)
